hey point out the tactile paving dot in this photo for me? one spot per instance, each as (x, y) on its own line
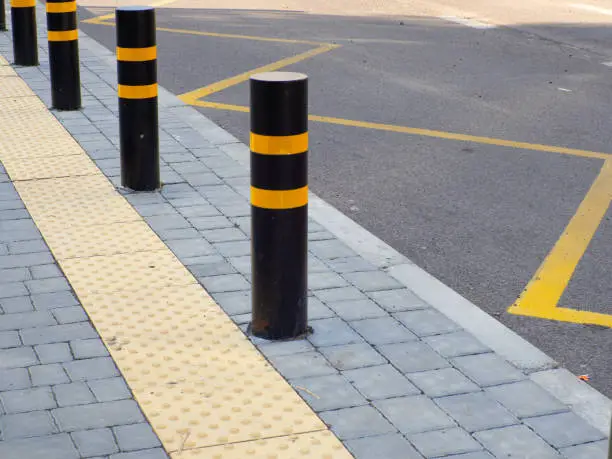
(6, 71)
(14, 87)
(110, 239)
(49, 167)
(314, 445)
(33, 147)
(134, 271)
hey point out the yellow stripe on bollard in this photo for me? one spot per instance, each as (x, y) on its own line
(279, 199)
(23, 3)
(137, 92)
(279, 145)
(66, 35)
(64, 7)
(136, 54)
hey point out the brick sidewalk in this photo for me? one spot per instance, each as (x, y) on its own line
(392, 376)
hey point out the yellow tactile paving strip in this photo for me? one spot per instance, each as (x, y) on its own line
(204, 387)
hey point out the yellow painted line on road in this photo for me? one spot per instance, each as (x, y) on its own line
(203, 386)
(541, 296)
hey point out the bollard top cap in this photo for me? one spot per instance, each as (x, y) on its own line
(279, 76)
(135, 8)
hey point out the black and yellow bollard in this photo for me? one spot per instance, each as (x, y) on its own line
(279, 204)
(62, 34)
(23, 20)
(2, 17)
(137, 89)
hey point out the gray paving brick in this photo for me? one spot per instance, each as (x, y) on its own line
(487, 369)
(155, 209)
(54, 300)
(70, 315)
(9, 339)
(325, 281)
(110, 390)
(516, 441)
(90, 369)
(456, 344)
(302, 365)
(371, 281)
(26, 320)
(17, 225)
(95, 442)
(13, 289)
(97, 415)
(211, 222)
(440, 383)
(384, 330)
(47, 375)
(190, 247)
(329, 392)
(225, 283)
(202, 178)
(476, 411)
(412, 356)
(392, 446)
(442, 443)
(526, 399)
(48, 447)
(88, 348)
(28, 259)
(55, 284)
(33, 246)
(279, 348)
(156, 453)
(224, 235)
(57, 333)
(478, 455)
(357, 309)
(178, 234)
(233, 249)
(563, 429)
(164, 222)
(320, 235)
(15, 214)
(17, 357)
(234, 302)
(350, 356)
(340, 294)
(317, 310)
(332, 332)
(401, 412)
(380, 382)
(11, 275)
(596, 450)
(73, 394)
(22, 401)
(45, 271)
(330, 249)
(53, 353)
(241, 264)
(188, 200)
(357, 422)
(24, 260)
(427, 322)
(135, 437)
(14, 379)
(25, 425)
(193, 213)
(10, 204)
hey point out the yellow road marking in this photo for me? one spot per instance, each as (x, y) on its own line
(542, 294)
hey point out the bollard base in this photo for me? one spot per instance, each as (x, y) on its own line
(264, 335)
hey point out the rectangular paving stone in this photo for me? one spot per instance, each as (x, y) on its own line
(14, 379)
(49, 447)
(595, 450)
(17, 357)
(371, 281)
(136, 437)
(155, 209)
(212, 222)
(110, 390)
(95, 442)
(28, 259)
(526, 399)
(302, 365)
(357, 309)
(402, 412)
(516, 441)
(331, 332)
(14, 275)
(193, 214)
(443, 443)
(97, 415)
(278, 348)
(329, 392)
(330, 249)
(88, 348)
(90, 369)
(73, 394)
(318, 310)
(33, 246)
(456, 344)
(178, 234)
(13, 289)
(70, 315)
(45, 301)
(163, 222)
(225, 283)
(55, 284)
(45, 271)
(440, 383)
(25, 260)
(325, 281)
(487, 369)
(357, 422)
(57, 333)
(223, 235)
(47, 375)
(9, 339)
(156, 453)
(21, 401)
(397, 300)
(412, 356)
(564, 429)
(25, 425)
(190, 247)
(233, 249)
(234, 302)
(340, 294)
(426, 322)
(53, 353)
(393, 446)
(384, 330)
(350, 356)
(476, 411)
(26, 320)
(380, 382)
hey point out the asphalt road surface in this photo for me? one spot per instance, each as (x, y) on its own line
(481, 217)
